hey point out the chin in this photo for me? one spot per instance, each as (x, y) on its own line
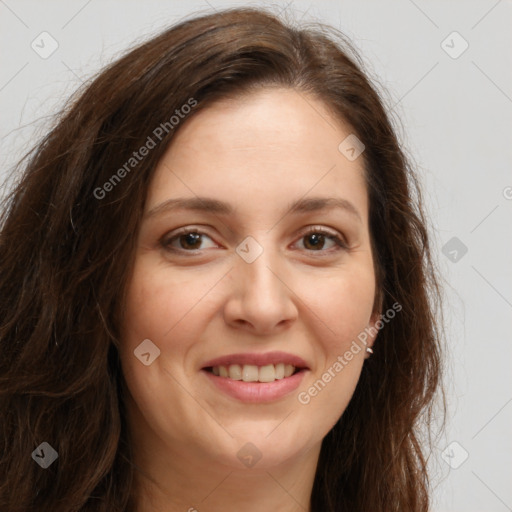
(257, 449)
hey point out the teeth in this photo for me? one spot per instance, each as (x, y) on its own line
(235, 372)
(249, 373)
(267, 373)
(253, 373)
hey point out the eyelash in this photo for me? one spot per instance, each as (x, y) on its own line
(165, 242)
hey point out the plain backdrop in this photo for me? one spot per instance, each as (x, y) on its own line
(446, 68)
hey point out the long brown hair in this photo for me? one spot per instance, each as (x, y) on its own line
(66, 249)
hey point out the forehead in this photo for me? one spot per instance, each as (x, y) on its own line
(271, 120)
(259, 150)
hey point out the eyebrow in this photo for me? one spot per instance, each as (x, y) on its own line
(214, 206)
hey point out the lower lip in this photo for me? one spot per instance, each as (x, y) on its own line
(257, 392)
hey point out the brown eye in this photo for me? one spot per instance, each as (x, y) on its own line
(316, 239)
(190, 241)
(187, 241)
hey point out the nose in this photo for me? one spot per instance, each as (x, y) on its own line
(261, 300)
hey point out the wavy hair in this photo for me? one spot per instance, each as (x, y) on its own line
(66, 252)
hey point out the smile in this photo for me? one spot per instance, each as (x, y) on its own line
(253, 373)
(256, 377)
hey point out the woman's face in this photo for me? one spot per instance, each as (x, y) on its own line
(249, 291)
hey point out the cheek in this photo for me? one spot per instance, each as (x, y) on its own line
(343, 304)
(158, 304)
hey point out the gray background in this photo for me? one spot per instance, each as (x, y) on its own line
(456, 123)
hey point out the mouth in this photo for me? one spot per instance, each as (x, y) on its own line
(256, 377)
(254, 373)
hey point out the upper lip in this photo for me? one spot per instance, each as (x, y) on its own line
(258, 359)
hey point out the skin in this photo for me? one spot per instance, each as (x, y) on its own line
(259, 153)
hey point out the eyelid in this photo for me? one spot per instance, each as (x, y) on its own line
(335, 236)
(172, 235)
(338, 239)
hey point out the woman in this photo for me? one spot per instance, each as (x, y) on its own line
(216, 287)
